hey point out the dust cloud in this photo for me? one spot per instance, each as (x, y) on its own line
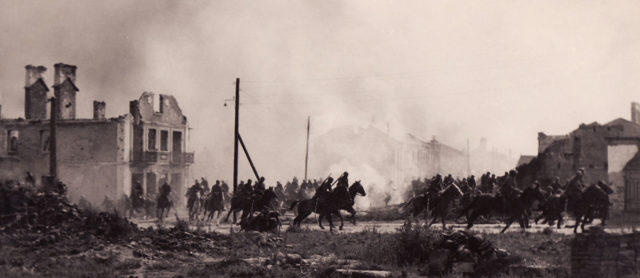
(456, 72)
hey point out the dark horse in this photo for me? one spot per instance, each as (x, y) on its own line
(146, 205)
(440, 205)
(343, 204)
(164, 205)
(337, 200)
(249, 205)
(482, 205)
(213, 203)
(552, 210)
(519, 209)
(593, 203)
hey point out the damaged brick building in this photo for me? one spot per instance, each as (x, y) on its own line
(607, 152)
(97, 157)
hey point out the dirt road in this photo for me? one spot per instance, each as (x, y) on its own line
(386, 227)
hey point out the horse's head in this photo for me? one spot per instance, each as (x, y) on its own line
(605, 187)
(357, 188)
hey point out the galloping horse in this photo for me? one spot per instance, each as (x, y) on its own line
(127, 206)
(213, 203)
(593, 203)
(164, 205)
(249, 205)
(336, 200)
(196, 206)
(552, 210)
(341, 203)
(440, 206)
(519, 208)
(481, 205)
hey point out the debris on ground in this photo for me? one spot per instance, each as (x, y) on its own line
(465, 253)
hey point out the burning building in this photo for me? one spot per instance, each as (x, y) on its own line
(97, 157)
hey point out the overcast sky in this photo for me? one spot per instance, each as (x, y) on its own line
(503, 70)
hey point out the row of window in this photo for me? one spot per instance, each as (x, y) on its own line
(14, 136)
(152, 138)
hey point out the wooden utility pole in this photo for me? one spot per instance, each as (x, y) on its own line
(53, 163)
(235, 139)
(306, 156)
(468, 159)
(246, 152)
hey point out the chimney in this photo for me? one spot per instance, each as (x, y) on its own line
(35, 93)
(65, 91)
(64, 71)
(33, 73)
(635, 113)
(99, 108)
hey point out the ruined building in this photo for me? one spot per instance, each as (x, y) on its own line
(607, 152)
(100, 156)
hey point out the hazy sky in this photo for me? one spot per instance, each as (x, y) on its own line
(503, 70)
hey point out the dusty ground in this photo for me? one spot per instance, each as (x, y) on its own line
(616, 226)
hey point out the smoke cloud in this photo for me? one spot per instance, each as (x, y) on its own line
(503, 70)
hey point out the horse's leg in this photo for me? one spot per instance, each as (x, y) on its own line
(341, 220)
(508, 222)
(444, 227)
(228, 214)
(432, 221)
(470, 219)
(575, 228)
(320, 216)
(331, 226)
(353, 215)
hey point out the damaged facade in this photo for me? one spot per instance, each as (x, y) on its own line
(607, 152)
(100, 156)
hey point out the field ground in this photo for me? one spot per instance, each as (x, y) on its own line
(305, 253)
(181, 250)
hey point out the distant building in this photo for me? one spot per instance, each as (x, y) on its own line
(96, 157)
(397, 159)
(606, 152)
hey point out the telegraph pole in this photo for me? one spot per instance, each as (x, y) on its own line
(235, 139)
(306, 156)
(53, 163)
(468, 159)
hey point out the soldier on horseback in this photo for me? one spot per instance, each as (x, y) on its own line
(509, 188)
(136, 195)
(323, 191)
(435, 187)
(192, 194)
(555, 186)
(216, 190)
(574, 189)
(205, 185)
(258, 189)
(163, 197)
(246, 189)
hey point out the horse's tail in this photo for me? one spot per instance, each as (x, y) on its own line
(293, 204)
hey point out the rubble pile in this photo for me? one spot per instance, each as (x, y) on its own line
(26, 209)
(462, 252)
